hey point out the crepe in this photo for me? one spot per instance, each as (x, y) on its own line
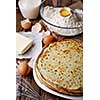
(60, 67)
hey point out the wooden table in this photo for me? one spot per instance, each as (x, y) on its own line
(29, 78)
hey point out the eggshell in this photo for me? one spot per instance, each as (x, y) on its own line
(37, 28)
(26, 24)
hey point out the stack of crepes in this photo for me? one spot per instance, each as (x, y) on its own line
(60, 67)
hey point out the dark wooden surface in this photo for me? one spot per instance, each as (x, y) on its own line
(29, 78)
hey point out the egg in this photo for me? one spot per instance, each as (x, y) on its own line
(23, 68)
(28, 71)
(48, 39)
(64, 12)
(26, 24)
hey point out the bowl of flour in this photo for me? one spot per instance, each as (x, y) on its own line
(70, 25)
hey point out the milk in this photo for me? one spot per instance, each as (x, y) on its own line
(29, 8)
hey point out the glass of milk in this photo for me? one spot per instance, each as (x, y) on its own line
(29, 8)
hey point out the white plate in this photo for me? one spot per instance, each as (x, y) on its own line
(42, 86)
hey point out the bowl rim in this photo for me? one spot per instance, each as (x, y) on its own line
(41, 9)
